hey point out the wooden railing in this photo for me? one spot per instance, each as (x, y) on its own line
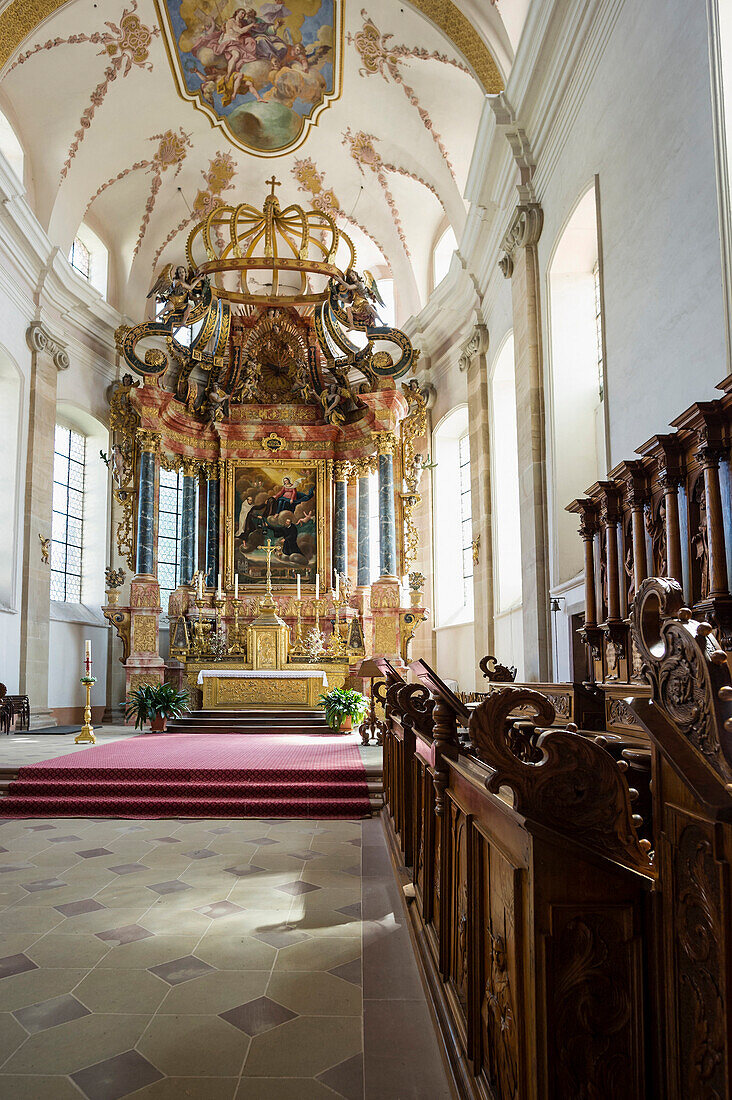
(574, 930)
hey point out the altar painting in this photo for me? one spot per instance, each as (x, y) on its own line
(262, 71)
(279, 505)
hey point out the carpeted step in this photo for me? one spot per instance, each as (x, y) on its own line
(87, 805)
(236, 789)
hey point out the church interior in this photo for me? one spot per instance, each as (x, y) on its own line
(366, 584)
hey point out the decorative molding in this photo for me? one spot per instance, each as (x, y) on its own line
(385, 442)
(476, 344)
(524, 232)
(40, 340)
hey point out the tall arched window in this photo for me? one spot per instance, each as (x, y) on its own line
(11, 148)
(577, 391)
(442, 255)
(453, 520)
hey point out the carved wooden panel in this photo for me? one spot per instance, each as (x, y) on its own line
(420, 827)
(699, 887)
(594, 1004)
(499, 1050)
(457, 931)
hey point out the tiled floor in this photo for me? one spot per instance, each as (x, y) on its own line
(208, 960)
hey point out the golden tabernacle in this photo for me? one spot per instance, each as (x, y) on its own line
(270, 400)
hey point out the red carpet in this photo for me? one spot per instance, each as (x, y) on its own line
(206, 775)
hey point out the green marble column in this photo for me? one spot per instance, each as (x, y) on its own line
(364, 534)
(146, 525)
(188, 523)
(212, 527)
(387, 519)
(339, 522)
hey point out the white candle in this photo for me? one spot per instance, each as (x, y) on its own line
(236, 587)
(219, 586)
(337, 584)
(317, 586)
(200, 586)
(298, 586)
(87, 649)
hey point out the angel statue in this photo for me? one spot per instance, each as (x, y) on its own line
(357, 297)
(333, 399)
(179, 289)
(45, 548)
(115, 462)
(217, 400)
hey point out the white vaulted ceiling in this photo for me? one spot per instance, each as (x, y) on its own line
(391, 154)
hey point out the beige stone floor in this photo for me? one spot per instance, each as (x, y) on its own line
(208, 960)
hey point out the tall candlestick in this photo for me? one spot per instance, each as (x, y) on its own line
(298, 586)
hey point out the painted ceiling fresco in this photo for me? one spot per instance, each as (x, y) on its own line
(170, 107)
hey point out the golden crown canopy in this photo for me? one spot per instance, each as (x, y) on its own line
(269, 256)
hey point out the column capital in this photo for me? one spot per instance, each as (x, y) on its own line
(385, 442)
(476, 344)
(40, 340)
(524, 231)
(189, 466)
(341, 471)
(149, 441)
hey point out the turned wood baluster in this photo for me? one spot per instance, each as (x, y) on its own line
(670, 484)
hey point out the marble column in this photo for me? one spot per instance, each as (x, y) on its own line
(385, 443)
(352, 524)
(212, 524)
(520, 263)
(48, 357)
(188, 522)
(340, 475)
(146, 503)
(364, 535)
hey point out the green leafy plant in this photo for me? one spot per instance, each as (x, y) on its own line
(340, 703)
(151, 701)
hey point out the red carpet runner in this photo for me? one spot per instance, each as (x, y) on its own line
(206, 775)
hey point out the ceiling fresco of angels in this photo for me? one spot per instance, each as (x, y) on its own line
(262, 71)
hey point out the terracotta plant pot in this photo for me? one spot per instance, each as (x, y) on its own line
(157, 725)
(346, 724)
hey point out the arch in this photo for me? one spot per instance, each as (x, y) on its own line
(505, 507)
(11, 433)
(452, 519)
(577, 443)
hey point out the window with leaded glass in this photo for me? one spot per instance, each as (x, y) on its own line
(170, 506)
(80, 258)
(466, 519)
(68, 514)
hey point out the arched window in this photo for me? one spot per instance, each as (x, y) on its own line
(577, 390)
(89, 256)
(442, 255)
(69, 463)
(506, 519)
(453, 520)
(11, 148)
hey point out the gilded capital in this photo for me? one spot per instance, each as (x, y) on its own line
(385, 442)
(40, 340)
(189, 467)
(149, 441)
(341, 471)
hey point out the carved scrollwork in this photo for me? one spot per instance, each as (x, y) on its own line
(574, 787)
(496, 672)
(415, 701)
(686, 668)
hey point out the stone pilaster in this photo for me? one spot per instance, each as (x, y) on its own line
(519, 263)
(48, 357)
(473, 362)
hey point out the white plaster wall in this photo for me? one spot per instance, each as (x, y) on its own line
(66, 663)
(645, 127)
(456, 654)
(509, 639)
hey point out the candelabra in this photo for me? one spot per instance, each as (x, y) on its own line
(236, 647)
(298, 648)
(200, 629)
(336, 646)
(87, 730)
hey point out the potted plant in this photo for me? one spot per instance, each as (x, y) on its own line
(344, 708)
(156, 703)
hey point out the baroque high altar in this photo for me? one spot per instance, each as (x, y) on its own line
(268, 379)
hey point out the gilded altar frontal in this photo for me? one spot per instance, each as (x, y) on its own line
(280, 504)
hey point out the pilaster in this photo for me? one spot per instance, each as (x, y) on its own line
(48, 357)
(519, 262)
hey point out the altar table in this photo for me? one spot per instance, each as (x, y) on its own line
(233, 688)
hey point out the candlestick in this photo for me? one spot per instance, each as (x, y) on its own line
(298, 648)
(87, 730)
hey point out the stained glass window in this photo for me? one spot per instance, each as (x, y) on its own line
(170, 507)
(466, 519)
(79, 258)
(68, 515)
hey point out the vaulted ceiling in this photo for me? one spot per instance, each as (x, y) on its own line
(108, 101)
